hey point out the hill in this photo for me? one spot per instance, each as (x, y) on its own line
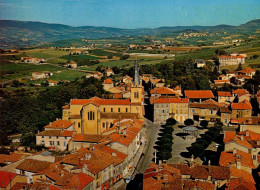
(23, 33)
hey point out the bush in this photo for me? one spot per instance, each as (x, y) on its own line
(125, 57)
(204, 123)
(171, 121)
(188, 122)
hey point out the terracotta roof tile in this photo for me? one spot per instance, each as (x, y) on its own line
(119, 115)
(6, 178)
(58, 124)
(237, 184)
(162, 90)
(237, 173)
(222, 93)
(240, 92)
(100, 101)
(87, 138)
(108, 81)
(13, 157)
(207, 104)
(58, 133)
(245, 105)
(198, 94)
(33, 165)
(171, 100)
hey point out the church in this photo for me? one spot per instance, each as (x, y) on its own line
(95, 115)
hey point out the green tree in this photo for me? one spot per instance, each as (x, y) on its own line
(204, 123)
(189, 122)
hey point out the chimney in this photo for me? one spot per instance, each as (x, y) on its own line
(247, 133)
(114, 154)
(88, 156)
(50, 124)
(242, 137)
(209, 162)
(234, 150)
(62, 173)
(192, 161)
(238, 163)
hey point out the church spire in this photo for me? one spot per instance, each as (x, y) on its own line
(137, 77)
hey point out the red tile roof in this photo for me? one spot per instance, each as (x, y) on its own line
(58, 133)
(87, 138)
(237, 184)
(13, 157)
(231, 56)
(247, 70)
(250, 135)
(171, 100)
(198, 94)
(59, 124)
(237, 173)
(221, 81)
(99, 101)
(244, 105)
(6, 178)
(33, 165)
(207, 104)
(162, 90)
(240, 92)
(254, 120)
(229, 158)
(108, 81)
(222, 93)
(229, 136)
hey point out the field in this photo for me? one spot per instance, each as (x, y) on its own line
(67, 75)
(46, 53)
(78, 57)
(100, 52)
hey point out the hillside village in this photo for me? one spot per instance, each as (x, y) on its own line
(104, 139)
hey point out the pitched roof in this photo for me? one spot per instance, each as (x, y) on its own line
(223, 93)
(254, 120)
(87, 138)
(250, 135)
(118, 115)
(244, 105)
(162, 90)
(93, 159)
(100, 101)
(108, 81)
(58, 133)
(225, 110)
(247, 70)
(240, 92)
(6, 178)
(13, 157)
(237, 173)
(207, 104)
(171, 100)
(198, 94)
(230, 158)
(221, 81)
(33, 165)
(237, 184)
(59, 124)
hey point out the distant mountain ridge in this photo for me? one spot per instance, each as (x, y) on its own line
(26, 33)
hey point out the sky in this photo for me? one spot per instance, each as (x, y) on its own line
(132, 13)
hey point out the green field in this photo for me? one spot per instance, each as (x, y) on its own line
(78, 57)
(46, 53)
(67, 75)
(100, 52)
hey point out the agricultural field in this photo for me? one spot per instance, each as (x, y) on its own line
(46, 53)
(67, 75)
(100, 52)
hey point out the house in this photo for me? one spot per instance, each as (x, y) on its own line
(206, 110)
(198, 95)
(109, 72)
(199, 63)
(71, 65)
(224, 97)
(241, 94)
(31, 60)
(247, 71)
(249, 123)
(53, 82)
(6, 159)
(241, 109)
(9, 179)
(221, 82)
(225, 114)
(127, 79)
(57, 175)
(108, 84)
(95, 114)
(54, 139)
(240, 183)
(29, 167)
(241, 79)
(164, 91)
(233, 59)
(165, 108)
(37, 75)
(95, 74)
(237, 159)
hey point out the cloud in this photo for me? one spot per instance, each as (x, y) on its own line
(9, 5)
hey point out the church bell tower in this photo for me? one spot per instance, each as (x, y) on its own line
(136, 87)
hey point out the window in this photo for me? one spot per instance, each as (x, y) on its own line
(126, 110)
(42, 136)
(65, 137)
(78, 125)
(103, 125)
(64, 143)
(50, 142)
(43, 142)
(193, 110)
(211, 112)
(104, 109)
(106, 125)
(118, 109)
(49, 137)
(57, 137)
(111, 109)
(91, 115)
(136, 95)
(58, 143)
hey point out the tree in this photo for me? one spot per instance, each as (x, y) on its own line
(239, 68)
(125, 57)
(109, 56)
(188, 122)
(171, 121)
(204, 123)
